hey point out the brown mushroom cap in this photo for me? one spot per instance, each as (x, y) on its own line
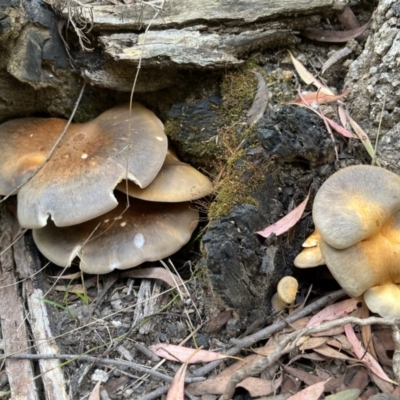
(354, 204)
(311, 255)
(176, 182)
(77, 182)
(147, 231)
(384, 300)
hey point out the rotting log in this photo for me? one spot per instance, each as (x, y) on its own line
(27, 265)
(181, 35)
(13, 323)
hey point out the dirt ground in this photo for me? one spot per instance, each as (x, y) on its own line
(261, 173)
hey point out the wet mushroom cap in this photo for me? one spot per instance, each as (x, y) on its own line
(77, 183)
(147, 231)
(176, 182)
(354, 204)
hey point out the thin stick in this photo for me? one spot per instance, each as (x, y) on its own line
(104, 361)
(248, 341)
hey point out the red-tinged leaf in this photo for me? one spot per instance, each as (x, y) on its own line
(185, 354)
(307, 77)
(342, 114)
(287, 222)
(168, 277)
(177, 389)
(319, 97)
(334, 311)
(347, 19)
(339, 129)
(333, 36)
(364, 356)
(95, 395)
(312, 392)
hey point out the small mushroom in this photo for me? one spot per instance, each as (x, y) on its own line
(311, 256)
(176, 182)
(146, 231)
(286, 293)
(77, 183)
(357, 213)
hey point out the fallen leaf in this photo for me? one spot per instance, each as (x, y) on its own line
(287, 222)
(364, 356)
(182, 354)
(347, 19)
(350, 394)
(307, 378)
(255, 386)
(333, 36)
(95, 394)
(177, 388)
(312, 392)
(312, 343)
(334, 311)
(168, 277)
(328, 351)
(319, 97)
(260, 101)
(216, 323)
(307, 77)
(364, 139)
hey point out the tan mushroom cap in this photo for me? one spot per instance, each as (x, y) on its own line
(354, 204)
(311, 255)
(176, 182)
(372, 262)
(147, 231)
(384, 300)
(286, 293)
(77, 183)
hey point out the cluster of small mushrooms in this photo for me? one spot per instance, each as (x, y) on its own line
(111, 192)
(356, 213)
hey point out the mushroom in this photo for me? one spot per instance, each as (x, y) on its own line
(286, 293)
(357, 213)
(77, 182)
(311, 256)
(176, 182)
(146, 231)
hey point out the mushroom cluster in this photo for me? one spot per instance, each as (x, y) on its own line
(356, 214)
(111, 192)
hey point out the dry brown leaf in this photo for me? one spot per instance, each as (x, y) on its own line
(185, 354)
(381, 352)
(328, 351)
(216, 323)
(154, 273)
(287, 222)
(308, 356)
(304, 376)
(334, 311)
(364, 356)
(260, 101)
(334, 36)
(95, 394)
(360, 379)
(255, 386)
(177, 388)
(312, 392)
(313, 342)
(347, 19)
(340, 342)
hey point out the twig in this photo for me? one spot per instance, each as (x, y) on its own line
(289, 343)
(264, 333)
(105, 361)
(155, 394)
